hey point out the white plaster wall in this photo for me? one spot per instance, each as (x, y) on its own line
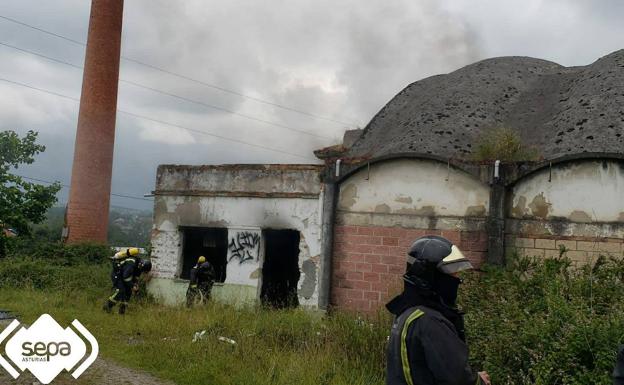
(234, 213)
(587, 191)
(416, 187)
(244, 260)
(165, 251)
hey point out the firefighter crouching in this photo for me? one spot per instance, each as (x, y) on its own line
(427, 342)
(127, 268)
(201, 281)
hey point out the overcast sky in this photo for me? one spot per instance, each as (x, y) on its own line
(341, 60)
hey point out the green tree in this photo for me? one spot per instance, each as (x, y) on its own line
(21, 202)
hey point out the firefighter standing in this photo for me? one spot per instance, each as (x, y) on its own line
(127, 268)
(201, 281)
(427, 342)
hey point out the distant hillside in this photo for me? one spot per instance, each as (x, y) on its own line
(126, 227)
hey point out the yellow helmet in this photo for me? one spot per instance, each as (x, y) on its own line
(201, 259)
(125, 253)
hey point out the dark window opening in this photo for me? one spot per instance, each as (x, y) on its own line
(209, 242)
(280, 271)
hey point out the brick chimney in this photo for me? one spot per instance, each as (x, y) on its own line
(89, 198)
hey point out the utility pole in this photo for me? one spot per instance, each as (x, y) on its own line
(89, 198)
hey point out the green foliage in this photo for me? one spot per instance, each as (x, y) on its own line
(57, 253)
(21, 202)
(54, 266)
(534, 322)
(39, 274)
(544, 322)
(273, 347)
(51, 228)
(503, 144)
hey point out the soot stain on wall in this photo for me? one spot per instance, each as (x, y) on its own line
(539, 206)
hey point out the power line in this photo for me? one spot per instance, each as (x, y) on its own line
(42, 30)
(40, 89)
(185, 77)
(170, 94)
(224, 109)
(213, 135)
(161, 122)
(267, 102)
(41, 55)
(67, 186)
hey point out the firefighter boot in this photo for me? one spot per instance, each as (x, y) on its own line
(108, 306)
(122, 308)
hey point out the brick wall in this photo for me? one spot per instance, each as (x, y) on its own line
(579, 249)
(89, 196)
(368, 262)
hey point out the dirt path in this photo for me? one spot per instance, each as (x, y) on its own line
(102, 372)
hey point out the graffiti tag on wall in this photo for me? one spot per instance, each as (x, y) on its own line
(244, 246)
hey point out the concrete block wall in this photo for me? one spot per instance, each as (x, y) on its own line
(369, 261)
(580, 250)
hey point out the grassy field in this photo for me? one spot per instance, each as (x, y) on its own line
(272, 347)
(532, 323)
(283, 347)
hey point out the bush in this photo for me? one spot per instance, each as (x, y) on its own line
(41, 275)
(56, 267)
(544, 322)
(503, 144)
(58, 253)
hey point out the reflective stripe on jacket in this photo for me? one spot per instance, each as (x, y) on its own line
(424, 349)
(125, 271)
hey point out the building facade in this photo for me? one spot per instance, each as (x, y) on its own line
(258, 225)
(411, 172)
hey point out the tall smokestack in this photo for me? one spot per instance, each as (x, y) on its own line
(89, 198)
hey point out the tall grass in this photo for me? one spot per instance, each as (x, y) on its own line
(272, 347)
(535, 322)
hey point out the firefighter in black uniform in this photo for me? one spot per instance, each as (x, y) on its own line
(201, 280)
(427, 342)
(127, 268)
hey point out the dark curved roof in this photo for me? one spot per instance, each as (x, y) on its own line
(557, 110)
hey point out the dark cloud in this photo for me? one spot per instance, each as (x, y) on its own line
(341, 60)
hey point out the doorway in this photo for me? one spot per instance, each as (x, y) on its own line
(280, 270)
(209, 242)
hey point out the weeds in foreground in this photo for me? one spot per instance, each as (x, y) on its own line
(534, 322)
(545, 322)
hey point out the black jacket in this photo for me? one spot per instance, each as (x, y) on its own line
(125, 272)
(202, 274)
(425, 345)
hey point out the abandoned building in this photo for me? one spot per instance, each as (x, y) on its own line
(258, 225)
(337, 234)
